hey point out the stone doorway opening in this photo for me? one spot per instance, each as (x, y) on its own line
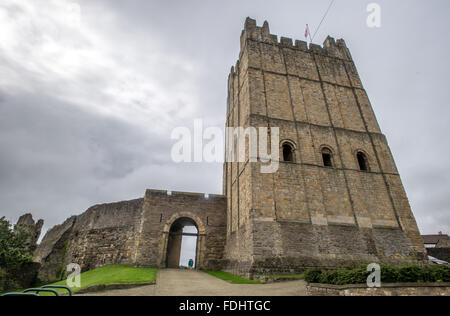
(182, 244)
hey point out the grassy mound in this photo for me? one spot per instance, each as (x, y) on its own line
(112, 274)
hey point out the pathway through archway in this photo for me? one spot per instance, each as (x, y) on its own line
(182, 244)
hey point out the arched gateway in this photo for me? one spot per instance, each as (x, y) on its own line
(182, 245)
(184, 237)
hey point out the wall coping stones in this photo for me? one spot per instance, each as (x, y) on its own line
(387, 289)
(205, 196)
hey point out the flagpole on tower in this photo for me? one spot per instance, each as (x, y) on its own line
(308, 33)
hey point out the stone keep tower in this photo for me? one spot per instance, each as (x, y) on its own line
(337, 197)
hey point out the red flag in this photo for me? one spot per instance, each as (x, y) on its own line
(306, 32)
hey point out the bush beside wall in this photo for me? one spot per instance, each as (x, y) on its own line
(389, 274)
(19, 278)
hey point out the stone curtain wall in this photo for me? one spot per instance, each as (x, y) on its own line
(104, 234)
(397, 289)
(307, 214)
(133, 232)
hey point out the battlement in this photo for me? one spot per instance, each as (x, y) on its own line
(261, 34)
(330, 47)
(175, 194)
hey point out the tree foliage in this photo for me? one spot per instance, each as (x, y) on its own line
(14, 246)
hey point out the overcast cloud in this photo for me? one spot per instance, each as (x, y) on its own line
(90, 92)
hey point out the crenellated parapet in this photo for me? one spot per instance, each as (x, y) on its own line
(262, 50)
(331, 47)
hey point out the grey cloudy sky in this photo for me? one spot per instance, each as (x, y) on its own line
(91, 90)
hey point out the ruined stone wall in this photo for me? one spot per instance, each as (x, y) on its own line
(307, 214)
(104, 234)
(133, 232)
(26, 222)
(51, 251)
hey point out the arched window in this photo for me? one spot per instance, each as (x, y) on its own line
(327, 157)
(288, 152)
(362, 161)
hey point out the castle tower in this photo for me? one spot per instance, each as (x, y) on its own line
(337, 197)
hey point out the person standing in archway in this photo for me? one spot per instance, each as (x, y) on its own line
(191, 264)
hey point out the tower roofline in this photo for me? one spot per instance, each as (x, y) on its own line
(330, 47)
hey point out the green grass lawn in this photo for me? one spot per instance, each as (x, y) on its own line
(109, 275)
(231, 278)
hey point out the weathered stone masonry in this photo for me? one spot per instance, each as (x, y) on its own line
(134, 232)
(307, 214)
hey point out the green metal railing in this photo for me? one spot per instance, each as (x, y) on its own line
(58, 287)
(37, 291)
(45, 289)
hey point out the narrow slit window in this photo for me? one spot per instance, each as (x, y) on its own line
(288, 153)
(362, 161)
(327, 157)
(327, 160)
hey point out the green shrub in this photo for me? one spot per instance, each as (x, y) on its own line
(389, 274)
(352, 276)
(2, 280)
(312, 275)
(7, 281)
(436, 273)
(410, 273)
(329, 277)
